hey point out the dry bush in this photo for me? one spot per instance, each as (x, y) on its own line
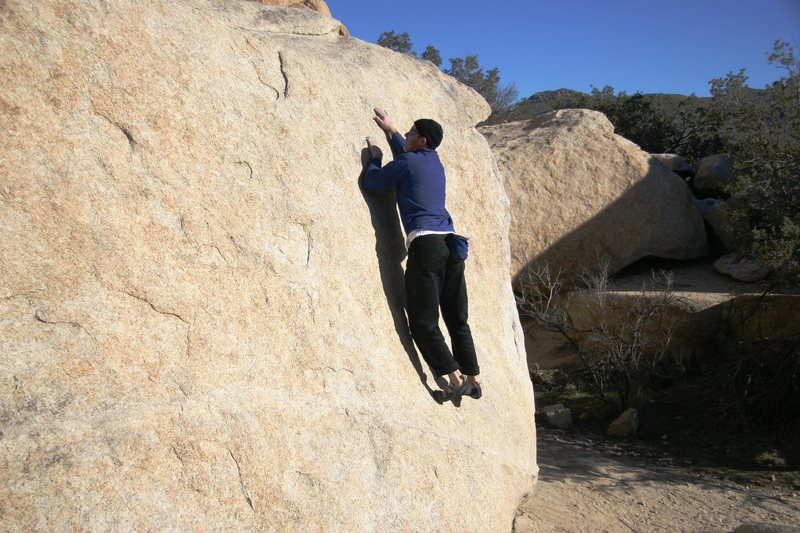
(620, 341)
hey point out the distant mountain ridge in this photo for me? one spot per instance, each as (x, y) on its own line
(657, 122)
(563, 98)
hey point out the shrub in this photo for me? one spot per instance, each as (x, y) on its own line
(619, 341)
(762, 130)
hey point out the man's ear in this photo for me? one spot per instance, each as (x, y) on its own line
(426, 142)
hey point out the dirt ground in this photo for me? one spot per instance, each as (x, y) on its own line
(690, 469)
(590, 484)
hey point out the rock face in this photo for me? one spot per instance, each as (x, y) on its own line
(581, 195)
(201, 319)
(315, 5)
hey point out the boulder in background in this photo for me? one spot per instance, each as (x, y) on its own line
(714, 174)
(676, 163)
(582, 196)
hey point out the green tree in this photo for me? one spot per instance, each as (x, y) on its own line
(399, 42)
(432, 54)
(468, 71)
(761, 128)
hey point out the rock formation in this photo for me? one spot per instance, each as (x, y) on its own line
(581, 195)
(315, 5)
(201, 320)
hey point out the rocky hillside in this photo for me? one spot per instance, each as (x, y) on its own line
(201, 321)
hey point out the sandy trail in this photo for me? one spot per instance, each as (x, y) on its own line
(592, 486)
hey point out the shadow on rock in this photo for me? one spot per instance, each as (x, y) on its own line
(391, 250)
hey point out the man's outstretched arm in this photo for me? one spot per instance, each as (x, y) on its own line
(386, 123)
(377, 177)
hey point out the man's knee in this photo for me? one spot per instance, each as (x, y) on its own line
(420, 326)
(456, 322)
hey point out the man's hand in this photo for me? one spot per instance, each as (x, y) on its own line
(384, 121)
(374, 151)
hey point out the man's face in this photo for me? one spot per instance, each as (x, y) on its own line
(413, 140)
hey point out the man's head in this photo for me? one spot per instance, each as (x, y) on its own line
(425, 133)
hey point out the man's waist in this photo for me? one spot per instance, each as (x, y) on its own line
(423, 232)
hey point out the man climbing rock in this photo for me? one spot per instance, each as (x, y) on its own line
(435, 266)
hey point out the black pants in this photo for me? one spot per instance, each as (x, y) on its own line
(434, 280)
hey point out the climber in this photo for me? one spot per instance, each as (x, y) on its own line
(435, 266)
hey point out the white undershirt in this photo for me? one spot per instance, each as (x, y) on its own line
(420, 232)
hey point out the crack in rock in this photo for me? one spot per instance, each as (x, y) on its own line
(154, 308)
(243, 162)
(40, 317)
(284, 74)
(177, 455)
(332, 31)
(258, 73)
(134, 146)
(242, 484)
(309, 242)
(121, 127)
(334, 369)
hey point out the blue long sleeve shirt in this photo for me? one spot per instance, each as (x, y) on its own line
(420, 181)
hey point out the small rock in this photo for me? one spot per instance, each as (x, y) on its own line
(625, 425)
(741, 268)
(556, 416)
(677, 164)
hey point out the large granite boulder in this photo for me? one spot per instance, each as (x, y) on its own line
(201, 321)
(581, 195)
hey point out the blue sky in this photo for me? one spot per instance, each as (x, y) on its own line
(644, 45)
